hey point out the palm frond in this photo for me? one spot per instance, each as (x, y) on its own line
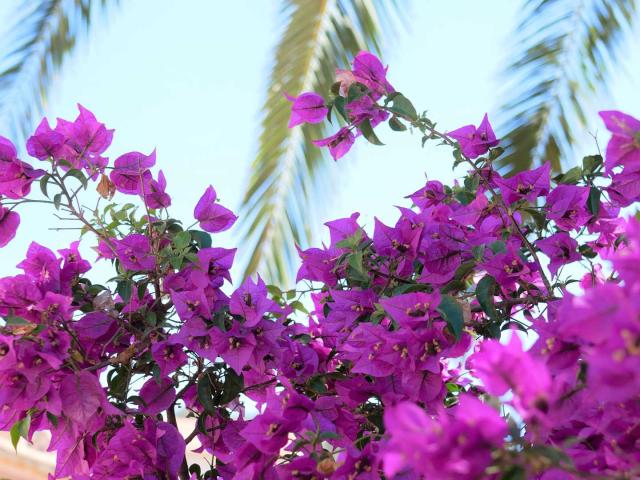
(42, 35)
(289, 180)
(566, 51)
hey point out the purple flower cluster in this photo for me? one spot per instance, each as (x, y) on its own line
(360, 88)
(390, 361)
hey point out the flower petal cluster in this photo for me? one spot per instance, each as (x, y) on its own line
(475, 141)
(399, 355)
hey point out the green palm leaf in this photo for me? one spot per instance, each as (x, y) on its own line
(289, 179)
(43, 34)
(566, 51)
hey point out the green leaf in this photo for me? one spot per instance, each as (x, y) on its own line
(57, 200)
(205, 393)
(317, 384)
(356, 90)
(478, 252)
(538, 217)
(232, 386)
(498, 247)
(44, 183)
(368, 133)
(328, 436)
(182, 240)
(586, 251)
(485, 291)
(356, 267)
(339, 103)
(464, 269)
(515, 472)
(12, 320)
(274, 291)
(571, 177)
(117, 380)
(591, 163)
(495, 153)
(52, 419)
(593, 202)
(465, 197)
(352, 241)
(410, 288)
(176, 261)
(203, 239)
(452, 312)
(396, 125)
(142, 289)
(124, 288)
(78, 175)
(151, 318)
(298, 305)
(20, 429)
(401, 105)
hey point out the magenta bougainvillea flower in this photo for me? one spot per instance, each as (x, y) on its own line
(339, 143)
(154, 452)
(507, 267)
(45, 143)
(567, 206)
(212, 216)
(157, 395)
(168, 357)
(365, 109)
(191, 303)
(412, 309)
(502, 368)
(85, 140)
(81, 143)
(343, 228)
(82, 396)
(43, 266)
(317, 264)
(15, 176)
(431, 194)
(561, 250)
(131, 171)
(455, 446)
(154, 192)
(9, 223)
(624, 146)
(391, 359)
(368, 70)
(625, 186)
(475, 141)
(527, 185)
(134, 252)
(251, 302)
(307, 107)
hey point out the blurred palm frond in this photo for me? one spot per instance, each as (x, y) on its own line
(44, 32)
(566, 52)
(289, 183)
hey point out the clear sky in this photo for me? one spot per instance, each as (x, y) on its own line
(188, 78)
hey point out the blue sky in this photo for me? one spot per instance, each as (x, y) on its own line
(188, 78)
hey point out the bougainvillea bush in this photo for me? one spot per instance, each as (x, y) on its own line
(411, 363)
